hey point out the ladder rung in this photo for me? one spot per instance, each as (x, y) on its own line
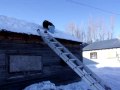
(66, 53)
(87, 74)
(54, 42)
(94, 83)
(46, 35)
(80, 66)
(72, 59)
(59, 47)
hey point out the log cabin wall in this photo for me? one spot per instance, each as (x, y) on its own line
(31, 46)
(9, 49)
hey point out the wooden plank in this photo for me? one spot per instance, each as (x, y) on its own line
(19, 46)
(2, 59)
(2, 70)
(3, 74)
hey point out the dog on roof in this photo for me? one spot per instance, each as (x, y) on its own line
(48, 26)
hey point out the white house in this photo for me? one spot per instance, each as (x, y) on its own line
(107, 50)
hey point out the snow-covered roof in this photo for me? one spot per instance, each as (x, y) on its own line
(21, 26)
(106, 44)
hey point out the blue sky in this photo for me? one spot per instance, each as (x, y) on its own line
(62, 12)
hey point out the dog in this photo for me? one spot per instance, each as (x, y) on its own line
(48, 26)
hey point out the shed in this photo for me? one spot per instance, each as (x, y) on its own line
(26, 59)
(107, 49)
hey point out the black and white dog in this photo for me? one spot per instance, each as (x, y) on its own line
(48, 26)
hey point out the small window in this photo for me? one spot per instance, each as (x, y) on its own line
(93, 55)
(24, 63)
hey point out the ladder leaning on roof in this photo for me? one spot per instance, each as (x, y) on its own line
(73, 62)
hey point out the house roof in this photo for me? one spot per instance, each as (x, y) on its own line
(106, 44)
(20, 26)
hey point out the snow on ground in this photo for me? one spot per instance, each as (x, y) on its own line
(109, 73)
(21, 26)
(47, 85)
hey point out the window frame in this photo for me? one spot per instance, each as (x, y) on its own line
(22, 72)
(93, 55)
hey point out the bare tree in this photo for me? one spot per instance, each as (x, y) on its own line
(110, 29)
(79, 33)
(101, 30)
(112, 23)
(92, 31)
(76, 31)
(71, 27)
(96, 30)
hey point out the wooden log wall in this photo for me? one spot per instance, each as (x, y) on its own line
(49, 58)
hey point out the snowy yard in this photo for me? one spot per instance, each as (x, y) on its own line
(109, 72)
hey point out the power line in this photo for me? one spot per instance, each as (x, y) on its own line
(86, 5)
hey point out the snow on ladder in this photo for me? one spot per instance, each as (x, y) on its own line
(73, 62)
